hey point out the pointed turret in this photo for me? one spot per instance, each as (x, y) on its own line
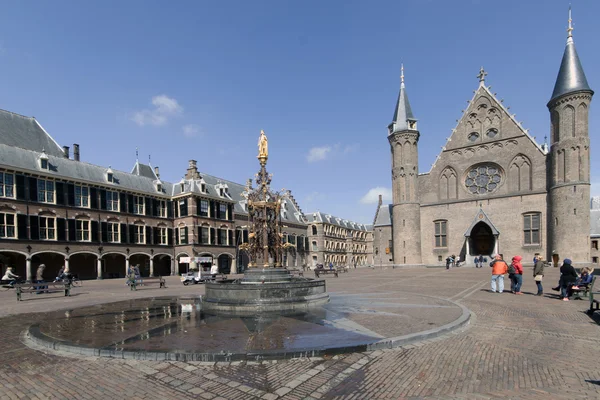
(403, 117)
(571, 77)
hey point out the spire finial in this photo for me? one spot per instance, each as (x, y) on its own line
(570, 28)
(481, 76)
(136, 154)
(402, 74)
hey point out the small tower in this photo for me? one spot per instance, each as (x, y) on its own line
(406, 217)
(569, 175)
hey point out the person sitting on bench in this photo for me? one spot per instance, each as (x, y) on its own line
(9, 275)
(585, 278)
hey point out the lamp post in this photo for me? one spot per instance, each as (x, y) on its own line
(239, 231)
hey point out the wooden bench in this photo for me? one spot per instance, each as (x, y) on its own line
(319, 271)
(296, 271)
(33, 288)
(594, 303)
(148, 281)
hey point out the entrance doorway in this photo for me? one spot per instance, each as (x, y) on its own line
(482, 239)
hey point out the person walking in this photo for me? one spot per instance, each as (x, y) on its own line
(499, 268)
(568, 276)
(39, 278)
(538, 274)
(518, 276)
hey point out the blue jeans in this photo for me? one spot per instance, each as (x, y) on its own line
(518, 282)
(40, 288)
(539, 287)
(500, 279)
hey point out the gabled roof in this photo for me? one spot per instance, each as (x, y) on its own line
(571, 77)
(384, 215)
(143, 170)
(320, 217)
(481, 217)
(26, 133)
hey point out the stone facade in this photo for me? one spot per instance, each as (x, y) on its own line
(492, 189)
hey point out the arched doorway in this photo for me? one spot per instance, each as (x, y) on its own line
(53, 262)
(482, 239)
(162, 265)
(113, 265)
(224, 263)
(182, 268)
(16, 260)
(84, 265)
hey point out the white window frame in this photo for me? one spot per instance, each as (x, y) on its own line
(112, 200)
(47, 232)
(202, 230)
(162, 235)
(180, 234)
(221, 205)
(138, 205)
(7, 189)
(82, 199)
(5, 226)
(207, 203)
(139, 236)
(162, 208)
(46, 189)
(83, 230)
(224, 231)
(113, 235)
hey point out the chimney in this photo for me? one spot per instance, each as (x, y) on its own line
(192, 171)
(156, 172)
(76, 152)
(66, 152)
(380, 200)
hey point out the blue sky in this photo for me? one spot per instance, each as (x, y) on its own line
(198, 80)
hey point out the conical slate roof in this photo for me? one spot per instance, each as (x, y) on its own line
(403, 112)
(571, 77)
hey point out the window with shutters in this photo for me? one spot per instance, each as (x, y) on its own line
(45, 191)
(182, 237)
(205, 235)
(223, 236)
(82, 196)
(441, 236)
(531, 228)
(114, 230)
(112, 201)
(222, 211)
(7, 185)
(8, 228)
(162, 235)
(138, 205)
(138, 234)
(82, 228)
(47, 228)
(204, 204)
(162, 208)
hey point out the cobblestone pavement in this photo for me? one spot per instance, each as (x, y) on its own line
(516, 347)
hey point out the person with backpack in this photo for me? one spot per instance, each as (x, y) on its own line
(518, 274)
(499, 268)
(568, 277)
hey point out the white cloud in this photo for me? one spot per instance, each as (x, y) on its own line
(165, 107)
(318, 153)
(191, 130)
(372, 196)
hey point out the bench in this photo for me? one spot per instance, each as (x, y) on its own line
(33, 288)
(582, 291)
(594, 303)
(296, 272)
(343, 269)
(148, 281)
(319, 271)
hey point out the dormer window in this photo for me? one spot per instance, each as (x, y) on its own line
(203, 187)
(182, 185)
(109, 175)
(44, 160)
(159, 186)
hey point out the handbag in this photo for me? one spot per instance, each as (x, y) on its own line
(538, 278)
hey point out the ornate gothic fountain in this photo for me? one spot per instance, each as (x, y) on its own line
(266, 285)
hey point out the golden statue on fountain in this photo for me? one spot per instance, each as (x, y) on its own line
(265, 241)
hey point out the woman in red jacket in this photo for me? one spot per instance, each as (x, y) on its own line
(516, 263)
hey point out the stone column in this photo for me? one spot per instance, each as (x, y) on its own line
(151, 266)
(99, 268)
(28, 269)
(172, 266)
(233, 266)
(468, 253)
(126, 265)
(67, 269)
(495, 245)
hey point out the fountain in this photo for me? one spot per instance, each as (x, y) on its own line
(267, 286)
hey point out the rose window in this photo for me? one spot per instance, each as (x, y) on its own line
(483, 179)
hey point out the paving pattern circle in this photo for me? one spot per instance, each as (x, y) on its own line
(176, 328)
